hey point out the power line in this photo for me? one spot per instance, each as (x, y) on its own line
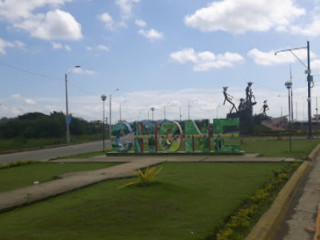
(29, 72)
(44, 76)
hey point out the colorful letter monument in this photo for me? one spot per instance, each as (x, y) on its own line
(171, 136)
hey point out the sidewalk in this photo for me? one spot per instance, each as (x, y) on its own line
(72, 181)
(303, 212)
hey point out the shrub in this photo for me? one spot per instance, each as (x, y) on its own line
(144, 178)
(239, 224)
(15, 164)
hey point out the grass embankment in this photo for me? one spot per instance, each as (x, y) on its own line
(12, 178)
(189, 201)
(280, 148)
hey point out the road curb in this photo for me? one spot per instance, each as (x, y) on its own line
(269, 223)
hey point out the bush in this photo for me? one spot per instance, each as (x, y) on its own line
(15, 164)
(239, 224)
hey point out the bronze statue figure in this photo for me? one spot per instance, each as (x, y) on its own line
(228, 98)
(265, 108)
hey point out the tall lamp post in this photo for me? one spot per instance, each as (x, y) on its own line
(110, 99)
(103, 98)
(288, 85)
(67, 105)
(309, 78)
(152, 110)
(120, 109)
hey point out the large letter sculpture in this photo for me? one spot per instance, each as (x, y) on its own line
(170, 136)
(226, 135)
(118, 130)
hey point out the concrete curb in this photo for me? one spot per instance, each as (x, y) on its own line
(269, 223)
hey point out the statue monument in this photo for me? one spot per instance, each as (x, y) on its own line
(245, 109)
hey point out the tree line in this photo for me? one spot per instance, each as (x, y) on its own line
(40, 125)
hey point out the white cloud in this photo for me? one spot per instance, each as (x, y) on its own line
(269, 58)
(126, 8)
(15, 96)
(83, 71)
(57, 46)
(241, 16)
(14, 10)
(140, 23)
(205, 61)
(54, 25)
(29, 101)
(6, 44)
(315, 65)
(103, 47)
(107, 20)
(151, 34)
(313, 29)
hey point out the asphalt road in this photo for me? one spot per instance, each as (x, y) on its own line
(48, 153)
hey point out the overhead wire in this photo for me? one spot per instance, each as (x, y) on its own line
(29, 72)
(44, 76)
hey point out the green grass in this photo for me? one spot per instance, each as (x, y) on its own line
(280, 148)
(189, 201)
(86, 155)
(22, 176)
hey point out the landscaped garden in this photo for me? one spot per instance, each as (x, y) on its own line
(203, 200)
(21, 176)
(188, 201)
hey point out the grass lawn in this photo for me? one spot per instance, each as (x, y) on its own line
(280, 148)
(22, 176)
(189, 201)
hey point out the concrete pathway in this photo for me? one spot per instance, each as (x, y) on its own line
(71, 181)
(303, 212)
(49, 153)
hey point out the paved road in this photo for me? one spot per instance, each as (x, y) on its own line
(45, 154)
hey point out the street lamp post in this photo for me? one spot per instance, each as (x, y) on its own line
(152, 110)
(67, 105)
(309, 79)
(103, 98)
(120, 109)
(110, 99)
(288, 85)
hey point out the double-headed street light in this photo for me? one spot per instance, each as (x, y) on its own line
(309, 78)
(67, 107)
(110, 99)
(103, 98)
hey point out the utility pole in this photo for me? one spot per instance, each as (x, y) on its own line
(309, 79)
(309, 91)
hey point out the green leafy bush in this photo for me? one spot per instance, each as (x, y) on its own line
(238, 225)
(15, 164)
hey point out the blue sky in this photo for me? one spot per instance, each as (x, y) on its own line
(165, 54)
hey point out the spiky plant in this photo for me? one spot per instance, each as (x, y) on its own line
(144, 177)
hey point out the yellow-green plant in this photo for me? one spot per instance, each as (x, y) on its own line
(144, 177)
